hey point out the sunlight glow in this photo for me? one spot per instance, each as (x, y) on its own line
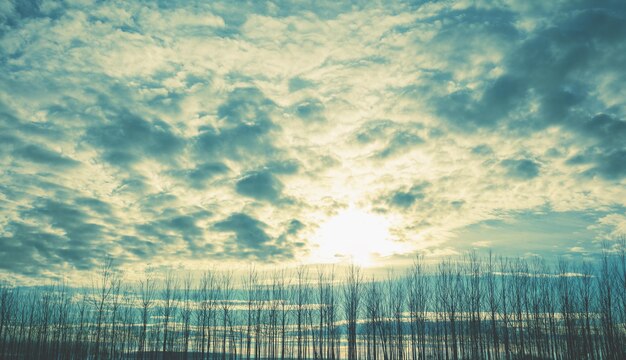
(354, 235)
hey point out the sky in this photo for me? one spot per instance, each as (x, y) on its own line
(181, 135)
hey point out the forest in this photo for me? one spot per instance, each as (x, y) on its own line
(465, 307)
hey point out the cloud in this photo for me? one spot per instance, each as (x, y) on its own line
(248, 231)
(170, 133)
(610, 165)
(199, 176)
(373, 130)
(405, 199)
(400, 140)
(70, 220)
(28, 251)
(260, 185)
(53, 233)
(298, 83)
(96, 205)
(288, 167)
(610, 227)
(310, 110)
(610, 130)
(606, 154)
(577, 249)
(41, 155)
(250, 238)
(482, 149)
(246, 106)
(245, 130)
(501, 97)
(127, 139)
(389, 136)
(171, 226)
(523, 169)
(294, 226)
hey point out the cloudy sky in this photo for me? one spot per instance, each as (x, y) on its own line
(184, 135)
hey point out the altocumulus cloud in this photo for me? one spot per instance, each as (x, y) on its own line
(187, 132)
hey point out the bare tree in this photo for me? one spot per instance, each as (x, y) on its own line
(352, 293)
(167, 309)
(463, 308)
(101, 293)
(146, 293)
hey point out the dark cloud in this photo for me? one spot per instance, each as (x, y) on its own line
(557, 104)
(247, 106)
(21, 129)
(247, 122)
(548, 64)
(406, 198)
(261, 185)
(72, 220)
(373, 130)
(310, 110)
(294, 226)
(52, 233)
(495, 22)
(27, 250)
(198, 177)
(577, 40)
(157, 203)
(96, 205)
(501, 97)
(288, 167)
(185, 225)
(42, 155)
(298, 83)
(400, 140)
(613, 165)
(609, 130)
(139, 247)
(30, 184)
(249, 231)
(554, 62)
(554, 69)
(523, 169)
(238, 142)
(608, 166)
(15, 12)
(170, 226)
(235, 16)
(397, 136)
(250, 238)
(289, 235)
(127, 138)
(606, 155)
(482, 149)
(133, 185)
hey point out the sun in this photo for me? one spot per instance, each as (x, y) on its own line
(353, 235)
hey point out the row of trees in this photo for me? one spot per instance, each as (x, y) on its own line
(464, 308)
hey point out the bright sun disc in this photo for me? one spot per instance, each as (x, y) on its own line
(353, 235)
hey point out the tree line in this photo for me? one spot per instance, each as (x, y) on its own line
(467, 307)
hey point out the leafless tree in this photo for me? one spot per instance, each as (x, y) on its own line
(352, 294)
(146, 295)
